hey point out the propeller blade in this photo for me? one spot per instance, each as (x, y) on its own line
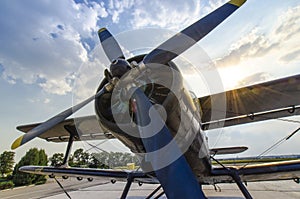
(42, 128)
(170, 175)
(110, 45)
(192, 34)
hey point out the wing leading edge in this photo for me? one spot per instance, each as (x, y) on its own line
(269, 100)
(84, 128)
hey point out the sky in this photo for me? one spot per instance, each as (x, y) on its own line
(50, 57)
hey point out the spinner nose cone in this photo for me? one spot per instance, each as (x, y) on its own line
(119, 67)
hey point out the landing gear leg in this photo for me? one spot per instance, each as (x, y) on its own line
(234, 174)
(154, 192)
(127, 187)
(158, 196)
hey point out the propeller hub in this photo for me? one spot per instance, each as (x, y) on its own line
(119, 67)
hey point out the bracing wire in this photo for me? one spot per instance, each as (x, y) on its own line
(274, 146)
(60, 185)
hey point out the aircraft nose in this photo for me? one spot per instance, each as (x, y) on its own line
(119, 67)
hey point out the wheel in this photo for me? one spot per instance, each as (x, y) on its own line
(90, 179)
(65, 177)
(113, 181)
(51, 176)
(79, 178)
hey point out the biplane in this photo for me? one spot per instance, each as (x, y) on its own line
(143, 102)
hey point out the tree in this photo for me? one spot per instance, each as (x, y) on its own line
(81, 158)
(103, 160)
(112, 159)
(71, 161)
(32, 157)
(43, 161)
(6, 162)
(97, 161)
(57, 159)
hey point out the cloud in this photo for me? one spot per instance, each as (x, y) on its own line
(47, 100)
(165, 14)
(45, 40)
(257, 44)
(88, 77)
(117, 7)
(35, 101)
(291, 56)
(59, 87)
(212, 5)
(173, 15)
(288, 23)
(255, 78)
(251, 45)
(44, 43)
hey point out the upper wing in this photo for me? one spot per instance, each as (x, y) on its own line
(85, 128)
(284, 170)
(269, 100)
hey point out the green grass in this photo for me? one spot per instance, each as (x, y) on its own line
(6, 185)
(252, 161)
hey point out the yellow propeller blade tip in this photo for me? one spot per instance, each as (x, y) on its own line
(237, 3)
(101, 30)
(17, 143)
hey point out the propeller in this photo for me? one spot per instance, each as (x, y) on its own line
(115, 55)
(192, 34)
(113, 52)
(162, 54)
(163, 162)
(110, 45)
(42, 128)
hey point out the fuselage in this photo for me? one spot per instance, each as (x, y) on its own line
(181, 115)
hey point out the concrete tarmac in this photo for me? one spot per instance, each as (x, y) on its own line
(103, 190)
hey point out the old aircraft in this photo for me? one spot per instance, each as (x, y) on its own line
(143, 103)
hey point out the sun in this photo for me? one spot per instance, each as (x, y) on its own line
(232, 76)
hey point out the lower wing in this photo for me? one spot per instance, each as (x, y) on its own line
(106, 174)
(284, 170)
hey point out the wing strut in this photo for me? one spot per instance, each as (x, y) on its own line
(130, 179)
(73, 134)
(236, 177)
(68, 151)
